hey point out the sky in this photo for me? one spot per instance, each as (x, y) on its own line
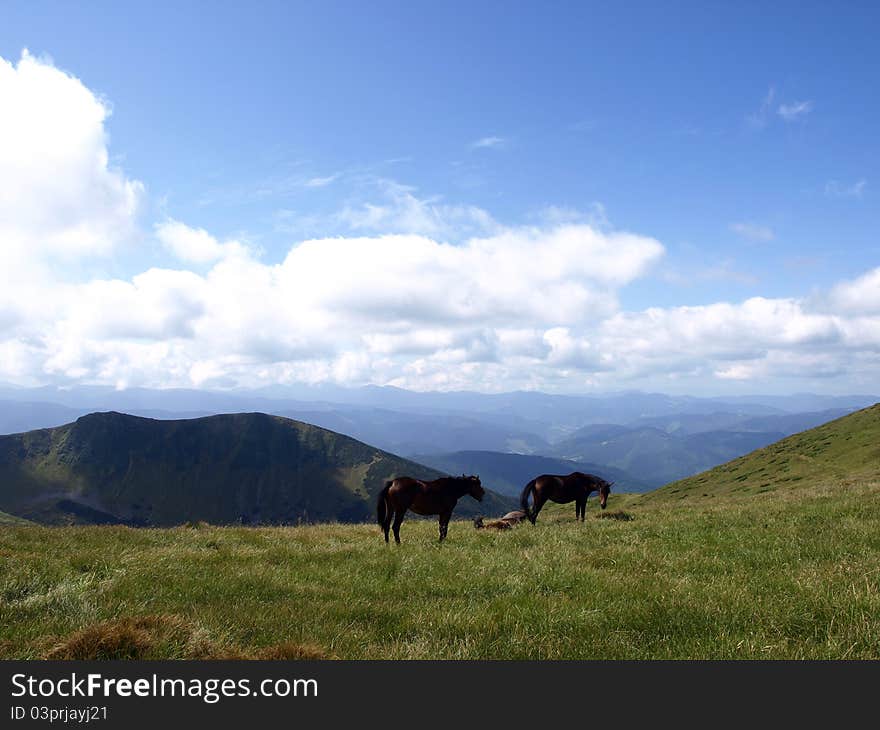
(572, 197)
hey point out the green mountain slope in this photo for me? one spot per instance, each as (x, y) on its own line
(246, 468)
(6, 519)
(844, 450)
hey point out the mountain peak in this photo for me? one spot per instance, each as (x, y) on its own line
(224, 469)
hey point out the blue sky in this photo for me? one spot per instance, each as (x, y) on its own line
(741, 137)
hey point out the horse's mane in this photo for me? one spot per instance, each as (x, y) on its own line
(452, 480)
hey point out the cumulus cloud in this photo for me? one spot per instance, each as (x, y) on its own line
(58, 193)
(858, 296)
(361, 308)
(401, 211)
(195, 245)
(754, 340)
(417, 293)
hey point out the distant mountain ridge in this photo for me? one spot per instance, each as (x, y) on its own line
(656, 456)
(650, 437)
(509, 473)
(248, 468)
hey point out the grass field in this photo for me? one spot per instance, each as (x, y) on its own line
(786, 574)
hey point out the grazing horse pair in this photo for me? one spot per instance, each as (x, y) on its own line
(438, 497)
(575, 487)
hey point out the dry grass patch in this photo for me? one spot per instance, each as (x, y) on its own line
(164, 636)
(125, 638)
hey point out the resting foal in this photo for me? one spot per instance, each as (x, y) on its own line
(505, 523)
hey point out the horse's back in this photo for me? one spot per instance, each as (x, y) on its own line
(549, 480)
(400, 484)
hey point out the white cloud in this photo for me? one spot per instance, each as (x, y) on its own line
(788, 111)
(321, 182)
(401, 211)
(835, 189)
(58, 194)
(753, 231)
(860, 296)
(488, 143)
(419, 293)
(375, 301)
(756, 340)
(795, 110)
(195, 245)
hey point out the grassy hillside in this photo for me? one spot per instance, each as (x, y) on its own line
(6, 519)
(836, 454)
(246, 468)
(790, 571)
(730, 578)
(509, 473)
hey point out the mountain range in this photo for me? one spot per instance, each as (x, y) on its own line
(508, 473)
(246, 468)
(220, 461)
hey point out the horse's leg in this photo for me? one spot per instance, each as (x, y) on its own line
(582, 509)
(398, 518)
(386, 519)
(540, 499)
(444, 524)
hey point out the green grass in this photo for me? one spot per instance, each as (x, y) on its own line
(838, 453)
(775, 575)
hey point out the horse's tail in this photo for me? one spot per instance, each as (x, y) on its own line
(381, 508)
(524, 498)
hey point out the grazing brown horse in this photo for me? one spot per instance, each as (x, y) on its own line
(576, 487)
(424, 498)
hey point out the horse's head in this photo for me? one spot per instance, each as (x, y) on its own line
(604, 489)
(475, 489)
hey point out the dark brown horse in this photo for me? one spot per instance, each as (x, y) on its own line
(576, 487)
(424, 498)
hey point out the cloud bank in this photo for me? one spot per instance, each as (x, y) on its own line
(396, 301)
